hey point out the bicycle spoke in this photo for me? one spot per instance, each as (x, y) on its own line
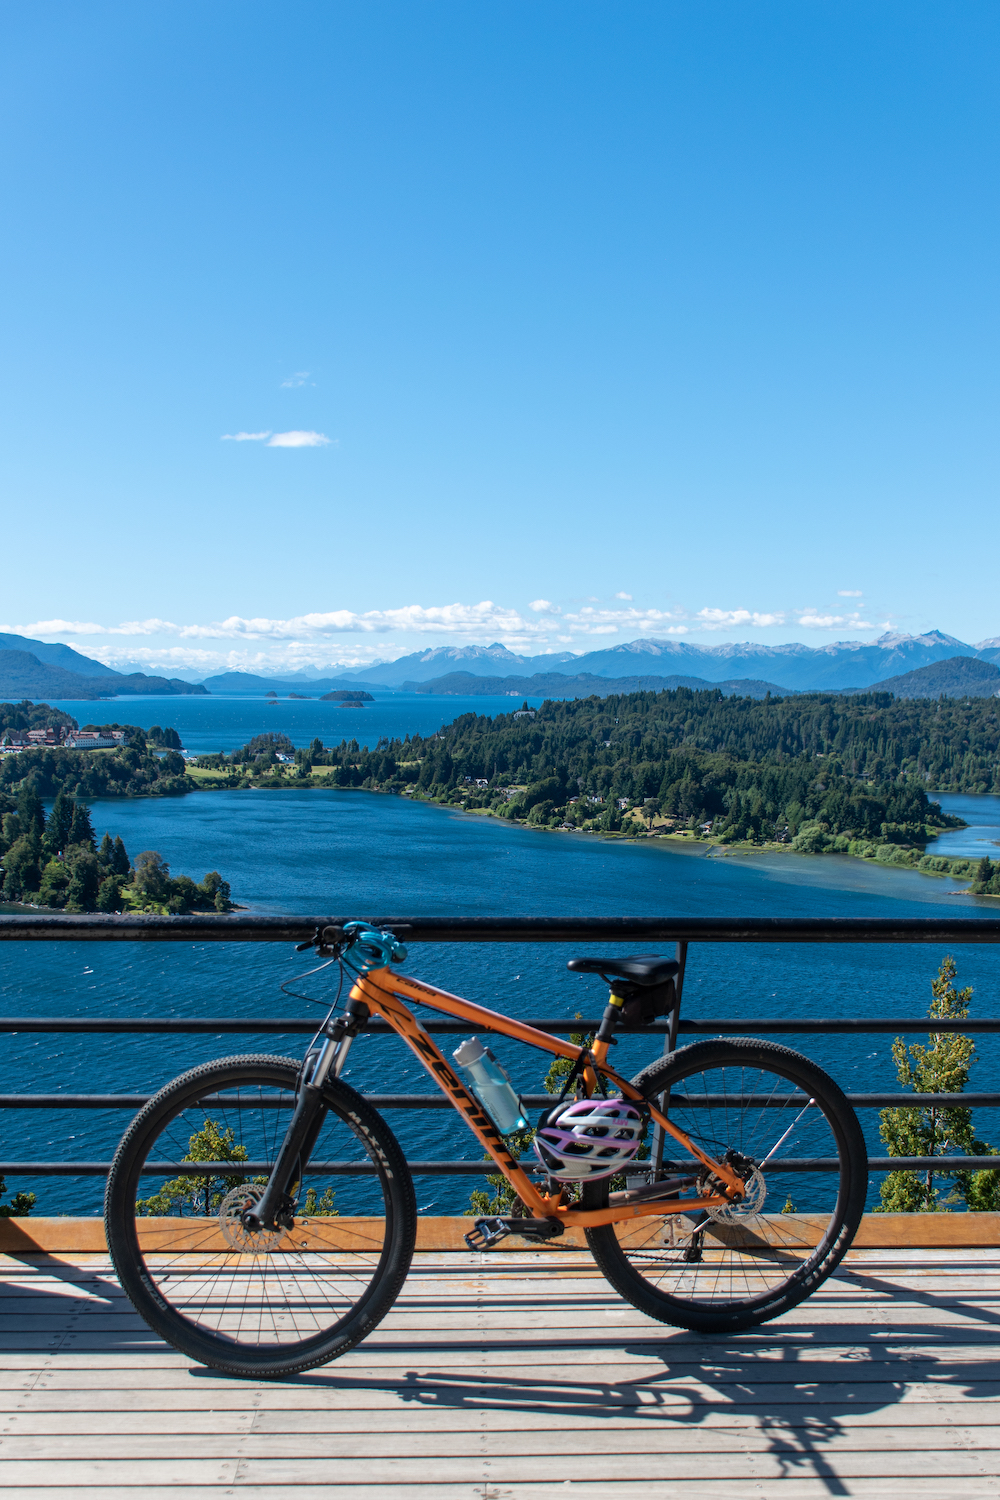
(276, 1295)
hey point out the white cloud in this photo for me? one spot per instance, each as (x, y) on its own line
(728, 619)
(849, 593)
(244, 437)
(624, 596)
(829, 622)
(307, 640)
(299, 440)
(591, 621)
(88, 627)
(294, 381)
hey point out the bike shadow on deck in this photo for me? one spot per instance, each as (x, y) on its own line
(801, 1381)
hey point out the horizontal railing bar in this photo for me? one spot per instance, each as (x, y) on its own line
(946, 1165)
(531, 1101)
(230, 1169)
(243, 1025)
(237, 927)
(832, 1025)
(560, 1026)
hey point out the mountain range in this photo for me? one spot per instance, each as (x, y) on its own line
(958, 677)
(32, 669)
(581, 685)
(35, 669)
(250, 683)
(843, 666)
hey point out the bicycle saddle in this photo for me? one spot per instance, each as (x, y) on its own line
(645, 970)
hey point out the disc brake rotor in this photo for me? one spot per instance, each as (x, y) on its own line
(248, 1241)
(754, 1193)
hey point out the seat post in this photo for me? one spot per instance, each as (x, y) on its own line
(669, 1044)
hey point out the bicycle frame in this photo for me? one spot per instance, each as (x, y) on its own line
(382, 991)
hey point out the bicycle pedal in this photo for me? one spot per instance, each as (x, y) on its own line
(489, 1232)
(486, 1233)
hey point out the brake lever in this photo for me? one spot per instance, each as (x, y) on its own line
(324, 940)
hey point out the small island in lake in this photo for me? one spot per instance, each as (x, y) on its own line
(346, 699)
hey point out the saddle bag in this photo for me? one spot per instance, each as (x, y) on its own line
(646, 1003)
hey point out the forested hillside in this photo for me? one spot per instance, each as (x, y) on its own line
(132, 771)
(812, 769)
(818, 771)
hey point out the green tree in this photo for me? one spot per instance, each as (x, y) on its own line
(20, 1205)
(940, 1067)
(109, 894)
(199, 1195)
(85, 879)
(216, 890)
(54, 884)
(151, 878)
(82, 829)
(120, 862)
(22, 868)
(30, 812)
(57, 830)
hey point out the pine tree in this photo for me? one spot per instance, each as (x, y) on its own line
(30, 812)
(121, 864)
(60, 822)
(940, 1067)
(82, 829)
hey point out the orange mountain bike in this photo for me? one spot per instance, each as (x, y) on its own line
(261, 1215)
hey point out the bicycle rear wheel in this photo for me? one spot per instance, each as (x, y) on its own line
(799, 1145)
(259, 1303)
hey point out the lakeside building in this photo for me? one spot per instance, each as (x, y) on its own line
(94, 739)
(24, 739)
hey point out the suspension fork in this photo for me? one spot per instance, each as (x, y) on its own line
(273, 1210)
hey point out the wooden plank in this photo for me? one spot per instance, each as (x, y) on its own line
(497, 1470)
(791, 1488)
(63, 1414)
(597, 1444)
(446, 1233)
(553, 1394)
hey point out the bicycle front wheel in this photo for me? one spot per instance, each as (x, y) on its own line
(269, 1302)
(797, 1142)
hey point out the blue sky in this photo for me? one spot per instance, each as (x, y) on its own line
(562, 323)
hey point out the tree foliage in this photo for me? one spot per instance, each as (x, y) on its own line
(131, 771)
(55, 863)
(940, 1067)
(817, 772)
(20, 1204)
(196, 1194)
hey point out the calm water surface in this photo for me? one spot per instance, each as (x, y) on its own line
(342, 852)
(208, 725)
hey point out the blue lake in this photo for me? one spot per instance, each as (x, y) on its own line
(210, 724)
(335, 852)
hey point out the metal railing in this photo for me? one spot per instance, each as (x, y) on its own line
(682, 932)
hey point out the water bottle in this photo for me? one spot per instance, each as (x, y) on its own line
(490, 1085)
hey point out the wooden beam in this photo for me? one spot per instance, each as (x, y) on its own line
(67, 1236)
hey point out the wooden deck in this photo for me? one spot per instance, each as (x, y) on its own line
(521, 1377)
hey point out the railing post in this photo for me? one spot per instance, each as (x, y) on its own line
(669, 1043)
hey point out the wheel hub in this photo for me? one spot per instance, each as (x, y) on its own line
(238, 1202)
(747, 1207)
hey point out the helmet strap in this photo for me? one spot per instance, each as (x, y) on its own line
(584, 1059)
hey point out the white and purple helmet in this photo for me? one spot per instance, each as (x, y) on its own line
(589, 1138)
